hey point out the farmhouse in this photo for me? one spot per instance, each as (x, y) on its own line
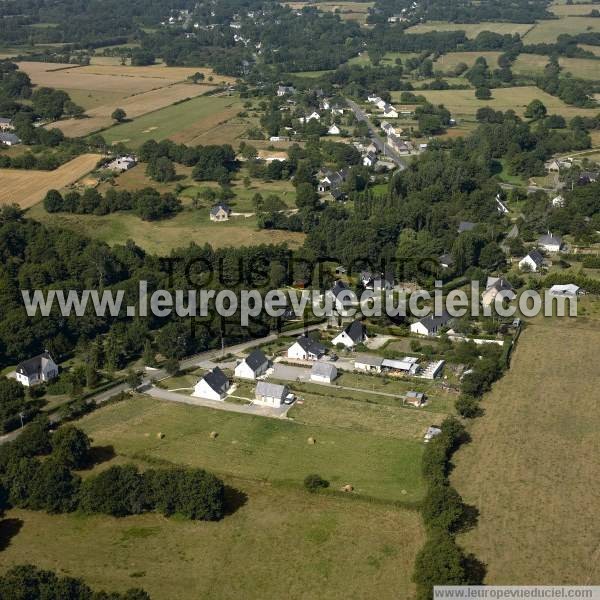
(550, 243)
(212, 386)
(9, 139)
(354, 333)
(331, 179)
(305, 348)
(570, 290)
(368, 362)
(414, 398)
(494, 286)
(122, 163)
(532, 262)
(430, 325)
(220, 212)
(323, 372)
(270, 394)
(39, 369)
(253, 366)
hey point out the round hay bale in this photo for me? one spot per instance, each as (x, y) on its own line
(348, 488)
(214, 435)
(160, 435)
(311, 441)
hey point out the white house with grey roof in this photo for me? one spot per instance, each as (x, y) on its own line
(305, 348)
(550, 243)
(532, 262)
(9, 139)
(253, 366)
(36, 370)
(214, 385)
(220, 212)
(430, 325)
(270, 394)
(354, 333)
(323, 372)
(371, 363)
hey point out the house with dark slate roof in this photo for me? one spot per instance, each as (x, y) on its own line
(253, 366)
(36, 370)
(305, 348)
(214, 385)
(431, 325)
(533, 261)
(270, 394)
(220, 212)
(355, 333)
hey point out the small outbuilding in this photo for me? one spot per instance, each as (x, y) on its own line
(323, 372)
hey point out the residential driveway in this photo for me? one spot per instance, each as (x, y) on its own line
(246, 409)
(290, 373)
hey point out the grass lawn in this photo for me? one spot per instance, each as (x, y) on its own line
(532, 468)
(260, 449)
(188, 119)
(447, 62)
(281, 543)
(160, 237)
(472, 30)
(464, 105)
(548, 31)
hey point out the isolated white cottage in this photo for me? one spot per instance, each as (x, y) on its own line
(36, 370)
(213, 386)
(253, 366)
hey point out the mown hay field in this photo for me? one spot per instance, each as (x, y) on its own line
(464, 105)
(447, 62)
(135, 106)
(532, 467)
(573, 10)
(186, 122)
(27, 188)
(533, 64)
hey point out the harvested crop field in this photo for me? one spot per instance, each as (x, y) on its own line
(135, 106)
(548, 31)
(27, 188)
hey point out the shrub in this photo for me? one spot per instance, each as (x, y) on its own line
(313, 483)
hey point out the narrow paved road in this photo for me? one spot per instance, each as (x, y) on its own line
(378, 140)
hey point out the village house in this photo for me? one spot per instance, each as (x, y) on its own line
(381, 281)
(388, 128)
(36, 370)
(587, 177)
(305, 348)
(314, 116)
(285, 90)
(369, 363)
(340, 295)
(333, 130)
(331, 179)
(122, 163)
(6, 124)
(390, 112)
(253, 366)
(430, 325)
(532, 262)
(214, 385)
(220, 212)
(399, 145)
(270, 394)
(550, 243)
(323, 372)
(353, 334)
(9, 139)
(369, 159)
(446, 261)
(493, 287)
(558, 201)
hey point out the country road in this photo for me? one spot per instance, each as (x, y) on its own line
(378, 140)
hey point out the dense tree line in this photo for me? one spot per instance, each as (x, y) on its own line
(147, 203)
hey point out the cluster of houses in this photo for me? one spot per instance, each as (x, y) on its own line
(387, 110)
(558, 165)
